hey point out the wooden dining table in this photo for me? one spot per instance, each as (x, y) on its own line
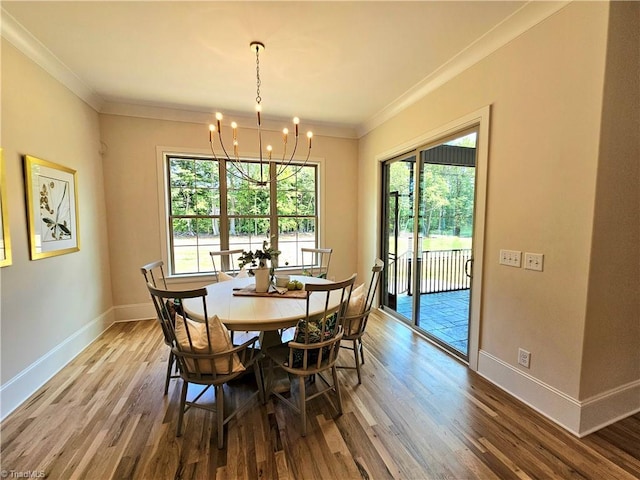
(240, 310)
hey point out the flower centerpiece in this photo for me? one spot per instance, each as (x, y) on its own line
(258, 259)
(257, 262)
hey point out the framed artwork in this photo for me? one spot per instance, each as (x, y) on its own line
(52, 204)
(5, 238)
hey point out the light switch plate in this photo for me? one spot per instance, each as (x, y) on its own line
(533, 261)
(511, 258)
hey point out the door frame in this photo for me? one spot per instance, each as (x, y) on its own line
(481, 119)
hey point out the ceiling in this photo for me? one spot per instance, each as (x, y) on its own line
(347, 65)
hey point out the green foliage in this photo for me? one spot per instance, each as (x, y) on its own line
(195, 191)
(447, 195)
(258, 257)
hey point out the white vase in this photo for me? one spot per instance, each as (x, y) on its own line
(262, 276)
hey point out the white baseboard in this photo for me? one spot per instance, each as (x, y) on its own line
(608, 408)
(578, 417)
(137, 311)
(14, 392)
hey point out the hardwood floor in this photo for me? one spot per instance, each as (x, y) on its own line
(418, 414)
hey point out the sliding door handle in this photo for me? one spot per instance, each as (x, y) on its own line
(468, 268)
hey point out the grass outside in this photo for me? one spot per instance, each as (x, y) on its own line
(191, 254)
(437, 276)
(434, 242)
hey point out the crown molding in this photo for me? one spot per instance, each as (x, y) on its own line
(33, 49)
(29, 45)
(529, 15)
(205, 118)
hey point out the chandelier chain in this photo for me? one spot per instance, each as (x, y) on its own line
(258, 82)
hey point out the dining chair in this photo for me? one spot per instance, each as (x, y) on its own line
(313, 349)
(357, 315)
(154, 272)
(227, 263)
(206, 356)
(315, 261)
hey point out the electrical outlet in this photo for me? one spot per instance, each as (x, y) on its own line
(524, 357)
(533, 261)
(511, 258)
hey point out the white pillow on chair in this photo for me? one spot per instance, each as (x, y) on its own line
(224, 277)
(243, 273)
(220, 342)
(356, 302)
(355, 307)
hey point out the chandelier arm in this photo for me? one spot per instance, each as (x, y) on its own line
(222, 145)
(241, 175)
(296, 171)
(237, 164)
(262, 181)
(262, 173)
(295, 147)
(286, 163)
(215, 157)
(280, 169)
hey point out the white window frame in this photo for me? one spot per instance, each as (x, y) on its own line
(162, 155)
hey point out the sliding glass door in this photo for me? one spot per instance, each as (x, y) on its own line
(428, 212)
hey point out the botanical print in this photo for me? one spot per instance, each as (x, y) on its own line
(2, 252)
(55, 209)
(5, 238)
(52, 208)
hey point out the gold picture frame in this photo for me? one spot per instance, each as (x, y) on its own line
(5, 238)
(52, 204)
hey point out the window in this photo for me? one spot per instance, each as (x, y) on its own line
(205, 213)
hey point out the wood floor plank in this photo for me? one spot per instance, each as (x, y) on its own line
(418, 414)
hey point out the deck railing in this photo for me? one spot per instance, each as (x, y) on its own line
(440, 271)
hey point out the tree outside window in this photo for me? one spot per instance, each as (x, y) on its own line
(284, 214)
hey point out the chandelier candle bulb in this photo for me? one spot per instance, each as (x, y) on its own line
(309, 136)
(296, 121)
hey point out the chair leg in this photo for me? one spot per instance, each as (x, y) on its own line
(220, 414)
(361, 350)
(303, 406)
(169, 368)
(183, 401)
(356, 356)
(336, 387)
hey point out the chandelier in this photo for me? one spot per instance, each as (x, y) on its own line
(262, 176)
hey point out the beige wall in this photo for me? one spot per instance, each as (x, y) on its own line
(612, 327)
(131, 185)
(548, 175)
(49, 305)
